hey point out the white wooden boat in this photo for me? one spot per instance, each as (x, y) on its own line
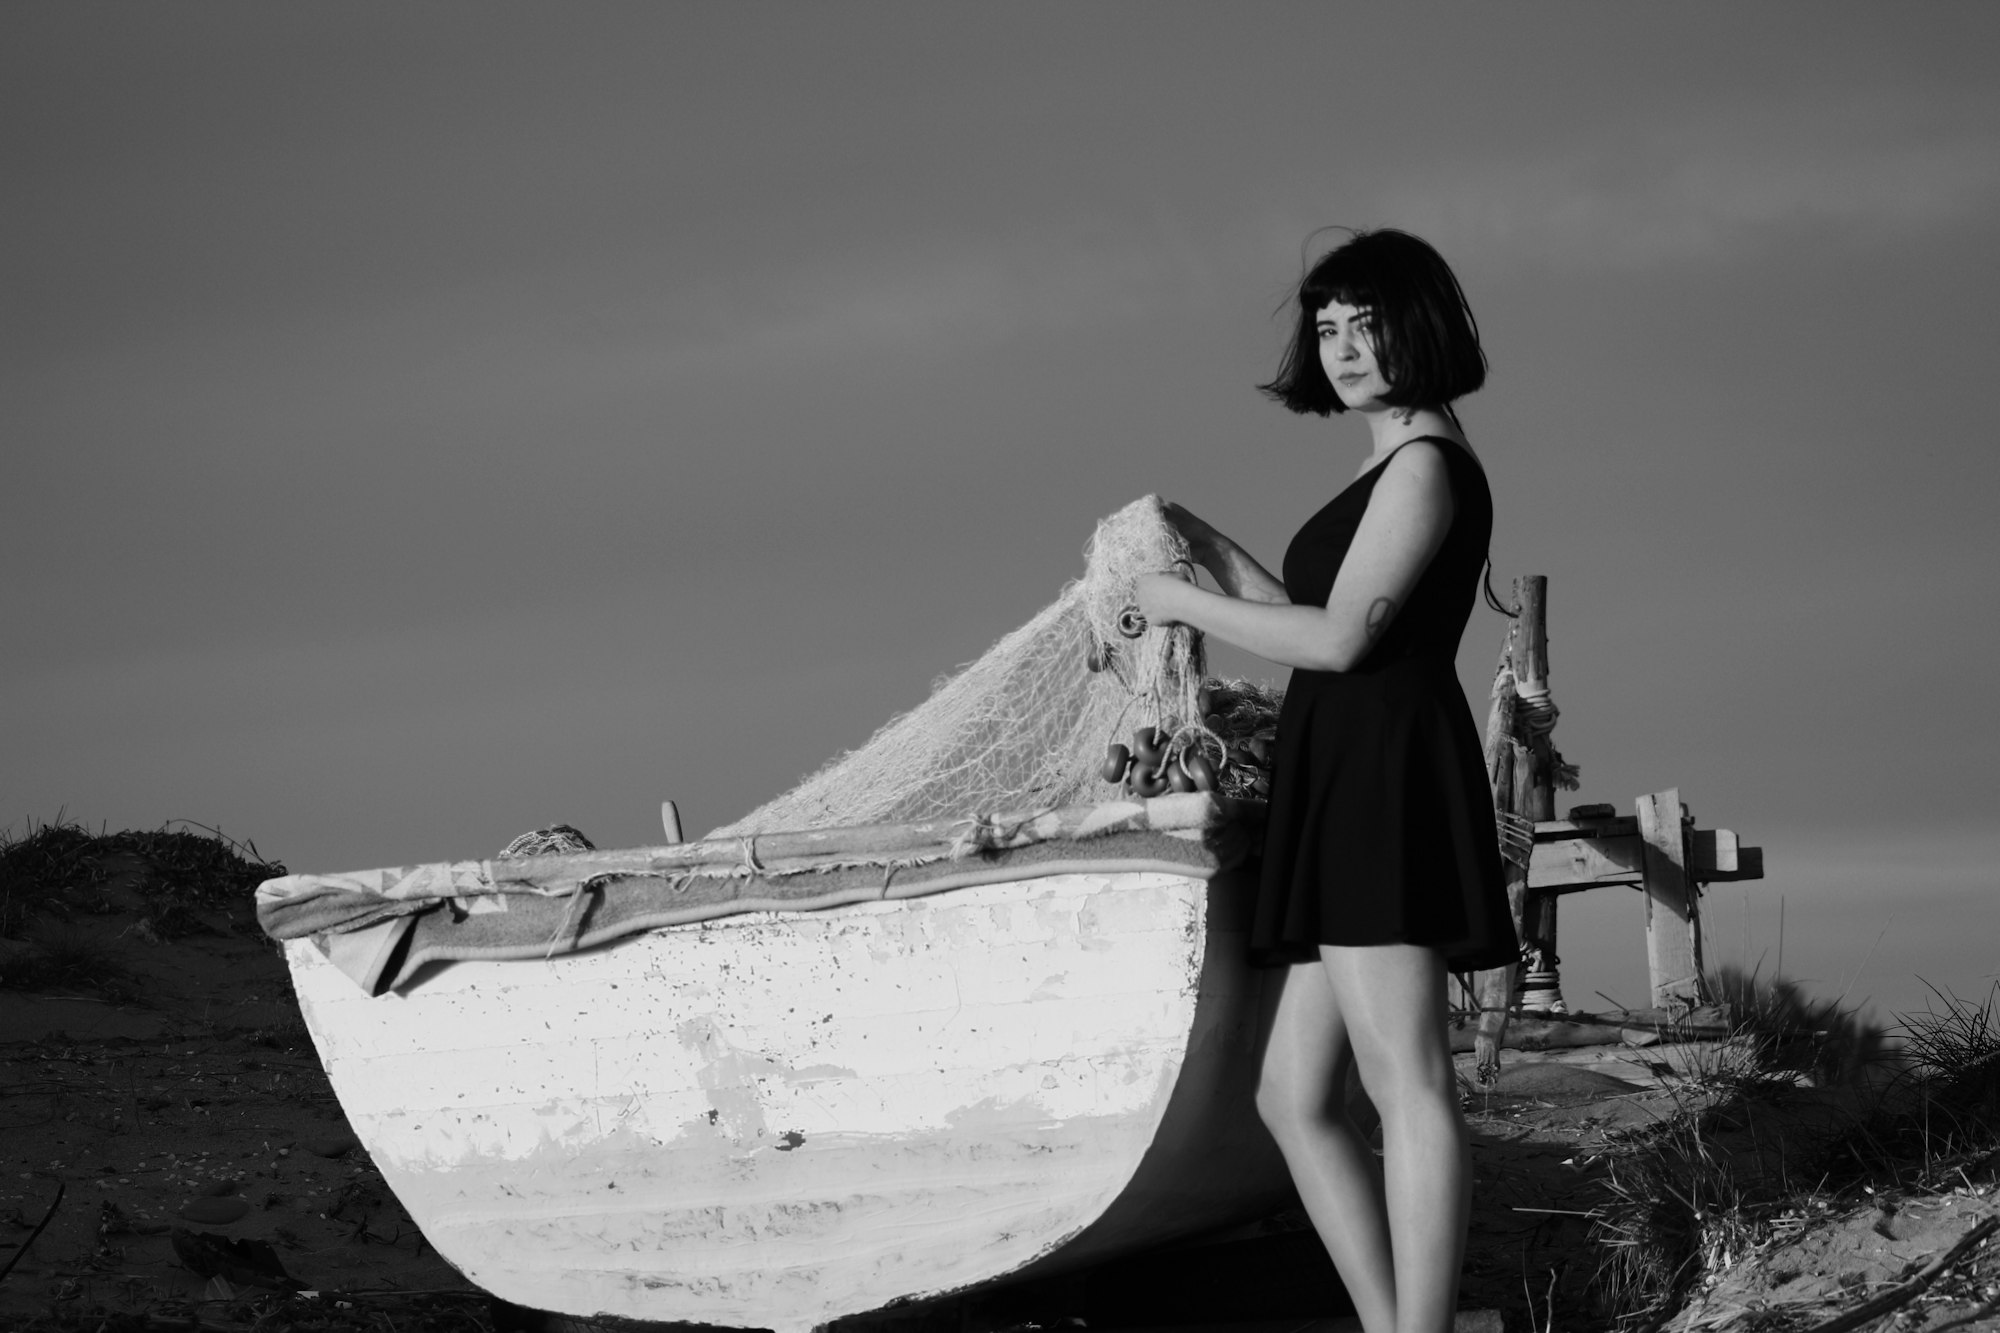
(776, 1119)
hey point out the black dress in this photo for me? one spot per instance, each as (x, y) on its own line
(1381, 821)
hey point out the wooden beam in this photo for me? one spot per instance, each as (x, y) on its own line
(1613, 826)
(1714, 849)
(1749, 864)
(1673, 914)
(1567, 862)
(1585, 863)
(1644, 1027)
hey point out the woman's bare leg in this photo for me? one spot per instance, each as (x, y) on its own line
(1392, 1000)
(1302, 1097)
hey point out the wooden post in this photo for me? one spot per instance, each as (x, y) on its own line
(1495, 987)
(1521, 900)
(1531, 646)
(1673, 914)
(1535, 800)
(1508, 772)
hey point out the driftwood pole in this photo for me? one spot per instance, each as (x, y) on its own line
(1535, 798)
(1494, 988)
(1520, 766)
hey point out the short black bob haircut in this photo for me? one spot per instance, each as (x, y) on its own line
(1426, 341)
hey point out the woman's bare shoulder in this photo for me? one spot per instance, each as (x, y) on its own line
(1415, 486)
(1420, 465)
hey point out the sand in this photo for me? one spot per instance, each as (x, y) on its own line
(201, 1096)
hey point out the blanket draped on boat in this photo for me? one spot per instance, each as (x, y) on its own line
(380, 925)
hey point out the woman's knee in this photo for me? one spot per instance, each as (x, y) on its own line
(1284, 1103)
(1288, 1103)
(1276, 1102)
(1402, 1086)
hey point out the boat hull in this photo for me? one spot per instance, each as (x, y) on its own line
(774, 1120)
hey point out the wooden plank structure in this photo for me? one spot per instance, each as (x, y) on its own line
(1657, 849)
(1660, 851)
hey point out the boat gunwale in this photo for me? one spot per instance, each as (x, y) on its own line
(807, 850)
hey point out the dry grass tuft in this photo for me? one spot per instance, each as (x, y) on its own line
(1676, 1208)
(62, 870)
(1795, 1033)
(1939, 1117)
(1953, 1055)
(50, 862)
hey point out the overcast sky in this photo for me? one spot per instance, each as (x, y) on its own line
(429, 421)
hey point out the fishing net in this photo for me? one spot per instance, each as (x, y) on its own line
(1026, 726)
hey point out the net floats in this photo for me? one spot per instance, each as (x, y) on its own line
(1229, 750)
(1157, 763)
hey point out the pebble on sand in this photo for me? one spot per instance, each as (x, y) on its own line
(212, 1211)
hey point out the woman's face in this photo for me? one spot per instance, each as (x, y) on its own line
(1347, 354)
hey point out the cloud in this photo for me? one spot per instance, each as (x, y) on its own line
(1716, 183)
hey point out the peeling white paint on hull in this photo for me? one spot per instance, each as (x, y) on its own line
(771, 1121)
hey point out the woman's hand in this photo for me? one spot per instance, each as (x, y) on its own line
(1202, 539)
(1227, 563)
(1162, 598)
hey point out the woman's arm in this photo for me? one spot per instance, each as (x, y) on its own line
(1406, 521)
(1235, 571)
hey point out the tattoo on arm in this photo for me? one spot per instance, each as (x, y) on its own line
(1380, 612)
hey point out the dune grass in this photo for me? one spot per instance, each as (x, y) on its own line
(1825, 1110)
(1796, 1033)
(63, 890)
(59, 870)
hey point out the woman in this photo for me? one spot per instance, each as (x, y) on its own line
(1381, 869)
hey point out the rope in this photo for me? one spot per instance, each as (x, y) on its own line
(544, 841)
(984, 833)
(1517, 836)
(1535, 709)
(583, 890)
(974, 835)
